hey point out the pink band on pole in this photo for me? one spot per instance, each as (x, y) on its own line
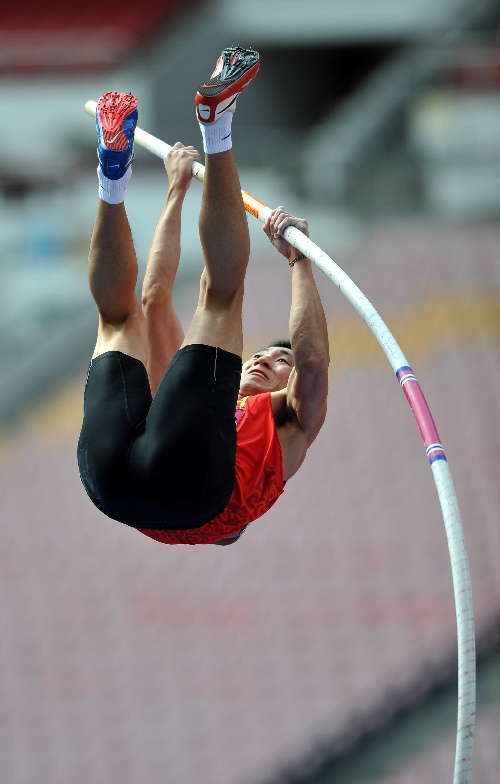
(421, 412)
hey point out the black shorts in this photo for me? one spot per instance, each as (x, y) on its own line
(167, 462)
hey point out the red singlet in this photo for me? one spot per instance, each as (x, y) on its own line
(259, 477)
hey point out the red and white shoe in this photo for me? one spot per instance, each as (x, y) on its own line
(235, 68)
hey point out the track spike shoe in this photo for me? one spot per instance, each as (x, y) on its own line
(116, 120)
(235, 68)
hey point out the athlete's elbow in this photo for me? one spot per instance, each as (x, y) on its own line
(313, 373)
(315, 362)
(229, 540)
(155, 295)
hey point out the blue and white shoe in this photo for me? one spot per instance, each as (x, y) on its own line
(116, 120)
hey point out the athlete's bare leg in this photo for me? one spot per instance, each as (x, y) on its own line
(223, 224)
(226, 248)
(112, 269)
(112, 273)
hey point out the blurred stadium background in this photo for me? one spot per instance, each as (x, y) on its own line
(322, 648)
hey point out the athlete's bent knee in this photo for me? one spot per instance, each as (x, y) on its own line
(219, 295)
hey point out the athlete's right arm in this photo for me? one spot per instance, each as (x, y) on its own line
(165, 333)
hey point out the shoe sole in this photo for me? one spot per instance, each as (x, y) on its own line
(211, 90)
(112, 110)
(210, 96)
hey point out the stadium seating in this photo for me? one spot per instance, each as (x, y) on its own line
(57, 36)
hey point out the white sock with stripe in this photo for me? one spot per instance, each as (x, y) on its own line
(217, 136)
(113, 191)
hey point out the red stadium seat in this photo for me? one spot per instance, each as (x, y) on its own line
(55, 36)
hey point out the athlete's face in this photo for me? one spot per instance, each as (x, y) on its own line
(268, 370)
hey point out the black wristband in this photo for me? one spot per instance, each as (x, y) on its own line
(297, 258)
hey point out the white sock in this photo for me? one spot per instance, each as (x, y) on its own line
(217, 136)
(113, 191)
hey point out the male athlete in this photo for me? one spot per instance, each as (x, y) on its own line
(161, 448)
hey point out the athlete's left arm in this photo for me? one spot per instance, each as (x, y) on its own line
(307, 391)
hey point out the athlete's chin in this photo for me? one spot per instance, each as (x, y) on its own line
(255, 387)
(252, 389)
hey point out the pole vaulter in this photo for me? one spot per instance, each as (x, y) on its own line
(434, 450)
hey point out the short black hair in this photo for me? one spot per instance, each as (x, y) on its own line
(280, 343)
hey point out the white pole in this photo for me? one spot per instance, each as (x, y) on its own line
(434, 449)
